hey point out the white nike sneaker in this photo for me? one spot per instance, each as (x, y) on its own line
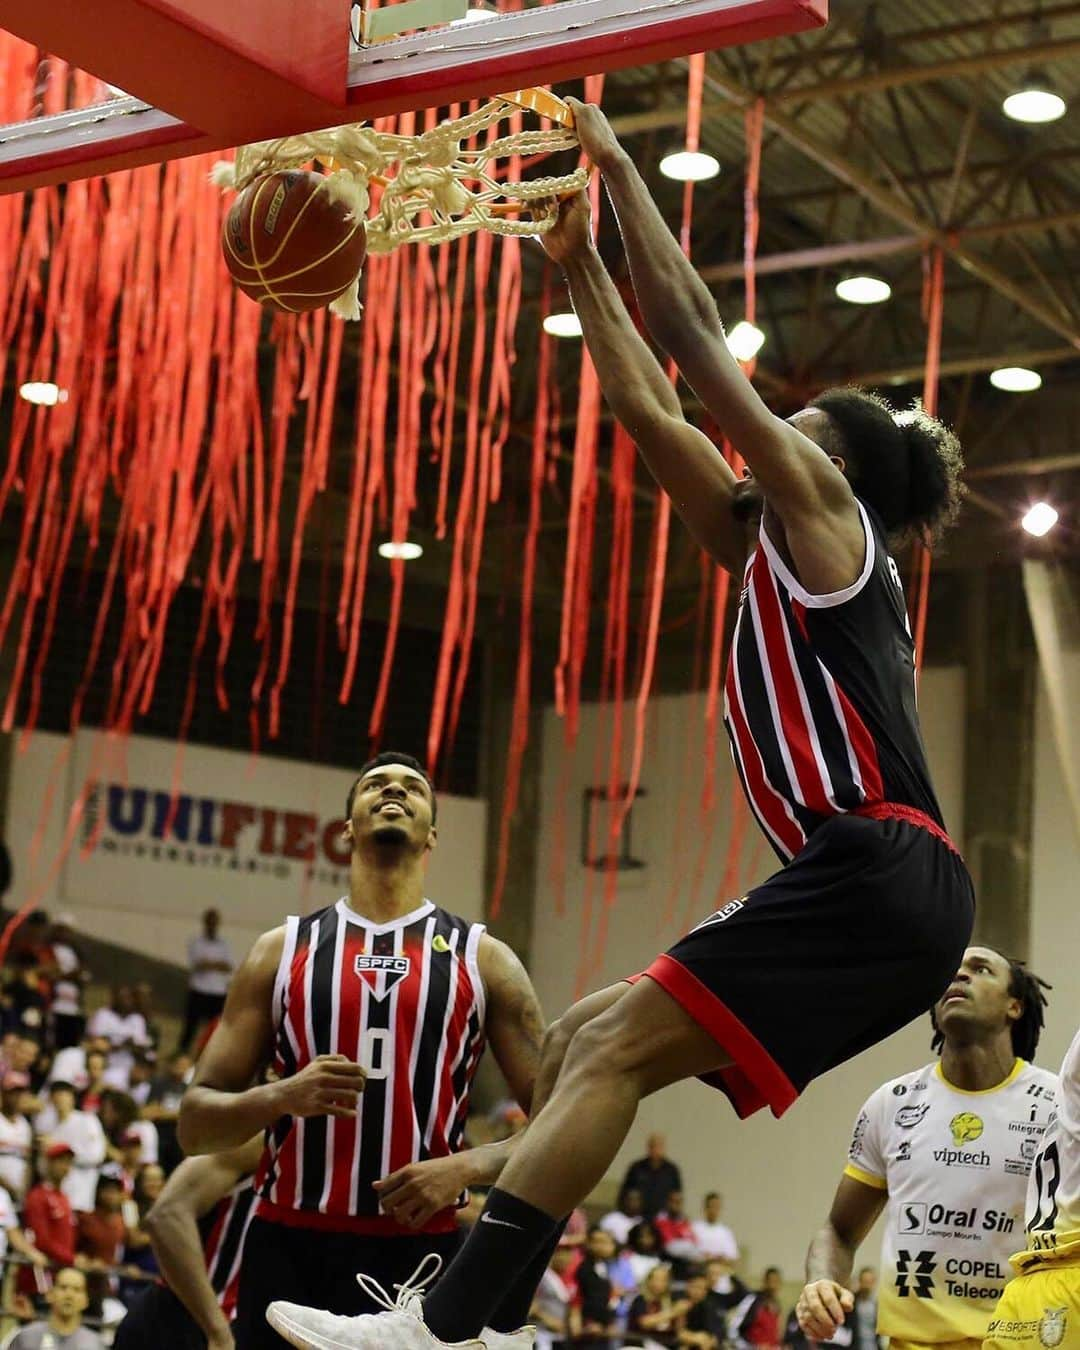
(400, 1327)
(522, 1339)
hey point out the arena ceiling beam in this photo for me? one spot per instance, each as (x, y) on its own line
(889, 204)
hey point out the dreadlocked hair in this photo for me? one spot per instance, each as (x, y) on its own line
(1025, 985)
(906, 465)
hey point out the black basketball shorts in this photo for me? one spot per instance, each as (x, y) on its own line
(858, 935)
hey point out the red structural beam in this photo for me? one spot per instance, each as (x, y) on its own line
(207, 76)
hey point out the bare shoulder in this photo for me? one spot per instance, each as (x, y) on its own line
(265, 954)
(500, 966)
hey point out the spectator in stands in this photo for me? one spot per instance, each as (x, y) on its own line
(16, 1136)
(124, 1028)
(62, 1123)
(551, 1305)
(129, 1165)
(13, 1237)
(655, 1316)
(49, 1216)
(619, 1222)
(726, 1290)
(69, 978)
(211, 963)
(139, 1258)
(702, 1328)
(96, 1087)
(120, 1118)
(655, 1176)
(163, 1108)
(714, 1238)
(643, 1245)
(101, 1232)
(25, 1000)
(592, 1310)
(144, 1004)
(864, 1318)
(576, 1231)
(70, 1063)
(31, 937)
(142, 1075)
(758, 1320)
(677, 1235)
(64, 1328)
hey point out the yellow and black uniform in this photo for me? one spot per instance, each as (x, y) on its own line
(955, 1165)
(1040, 1309)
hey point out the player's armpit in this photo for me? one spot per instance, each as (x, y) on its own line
(515, 1021)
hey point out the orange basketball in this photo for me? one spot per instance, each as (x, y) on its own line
(289, 244)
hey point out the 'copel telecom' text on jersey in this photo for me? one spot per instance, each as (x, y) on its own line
(819, 699)
(406, 1001)
(955, 1165)
(1052, 1212)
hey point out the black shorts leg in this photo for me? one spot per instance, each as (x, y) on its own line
(319, 1269)
(158, 1319)
(855, 938)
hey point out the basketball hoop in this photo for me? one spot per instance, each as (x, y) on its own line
(432, 188)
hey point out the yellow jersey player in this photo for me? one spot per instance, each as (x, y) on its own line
(1040, 1309)
(945, 1152)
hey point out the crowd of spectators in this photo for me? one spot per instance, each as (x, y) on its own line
(88, 1112)
(649, 1275)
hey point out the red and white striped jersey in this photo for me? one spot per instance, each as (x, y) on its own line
(405, 1000)
(223, 1244)
(819, 699)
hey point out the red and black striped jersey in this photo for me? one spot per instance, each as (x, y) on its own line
(405, 1000)
(819, 698)
(223, 1243)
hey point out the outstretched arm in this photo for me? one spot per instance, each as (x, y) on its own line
(685, 463)
(808, 492)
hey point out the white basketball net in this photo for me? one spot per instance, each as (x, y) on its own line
(433, 188)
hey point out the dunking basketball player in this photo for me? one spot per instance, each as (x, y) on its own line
(864, 926)
(374, 1014)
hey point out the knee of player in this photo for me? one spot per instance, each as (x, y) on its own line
(601, 1047)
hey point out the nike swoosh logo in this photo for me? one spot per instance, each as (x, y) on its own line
(486, 1218)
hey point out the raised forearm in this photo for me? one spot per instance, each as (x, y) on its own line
(673, 298)
(211, 1121)
(633, 382)
(830, 1257)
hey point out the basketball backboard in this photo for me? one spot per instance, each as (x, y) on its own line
(202, 75)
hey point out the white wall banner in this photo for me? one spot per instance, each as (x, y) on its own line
(169, 831)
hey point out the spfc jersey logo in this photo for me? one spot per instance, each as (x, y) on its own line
(382, 973)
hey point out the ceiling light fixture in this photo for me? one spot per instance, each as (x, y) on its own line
(863, 290)
(689, 166)
(1040, 519)
(1036, 101)
(745, 341)
(43, 392)
(565, 325)
(1016, 380)
(405, 550)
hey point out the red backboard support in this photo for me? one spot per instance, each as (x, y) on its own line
(206, 75)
